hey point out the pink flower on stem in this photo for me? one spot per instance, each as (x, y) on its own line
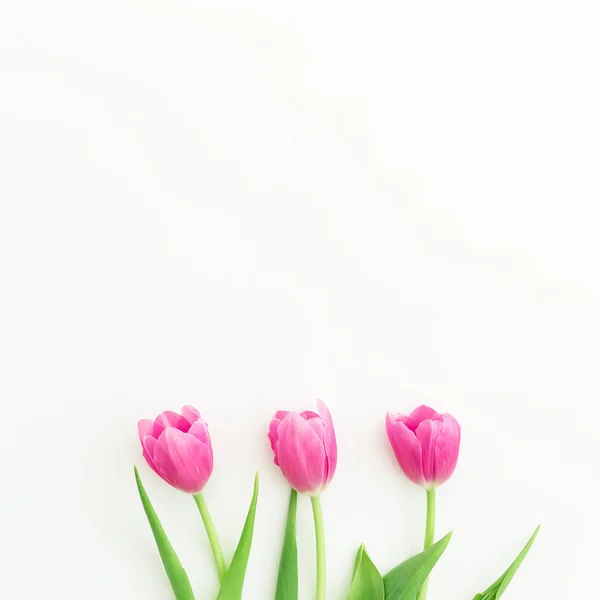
(305, 448)
(306, 452)
(177, 447)
(426, 445)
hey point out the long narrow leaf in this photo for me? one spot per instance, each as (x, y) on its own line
(367, 583)
(495, 591)
(287, 579)
(404, 581)
(233, 584)
(175, 572)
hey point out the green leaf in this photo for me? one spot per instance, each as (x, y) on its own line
(176, 573)
(233, 584)
(367, 583)
(404, 581)
(287, 579)
(495, 591)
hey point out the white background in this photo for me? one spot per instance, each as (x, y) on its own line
(246, 207)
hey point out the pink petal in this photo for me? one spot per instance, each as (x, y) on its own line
(272, 433)
(330, 439)
(424, 413)
(280, 415)
(273, 436)
(170, 419)
(300, 454)
(446, 449)
(427, 433)
(190, 414)
(145, 428)
(309, 414)
(406, 419)
(199, 430)
(183, 460)
(318, 427)
(145, 432)
(149, 444)
(406, 448)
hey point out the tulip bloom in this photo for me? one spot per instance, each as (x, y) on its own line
(177, 448)
(426, 445)
(305, 450)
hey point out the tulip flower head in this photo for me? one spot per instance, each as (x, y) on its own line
(177, 447)
(426, 445)
(305, 448)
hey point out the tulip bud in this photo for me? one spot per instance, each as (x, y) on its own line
(426, 445)
(305, 448)
(177, 447)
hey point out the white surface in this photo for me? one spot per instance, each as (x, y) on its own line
(249, 207)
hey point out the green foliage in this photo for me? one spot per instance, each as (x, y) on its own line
(233, 584)
(175, 572)
(495, 591)
(404, 581)
(287, 578)
(367, 582)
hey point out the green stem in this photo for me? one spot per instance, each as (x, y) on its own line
(320, 539)
(213, 538)
(429, 535)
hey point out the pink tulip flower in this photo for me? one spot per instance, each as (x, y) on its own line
(305, 448)
(177, 447)
(426, 445)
